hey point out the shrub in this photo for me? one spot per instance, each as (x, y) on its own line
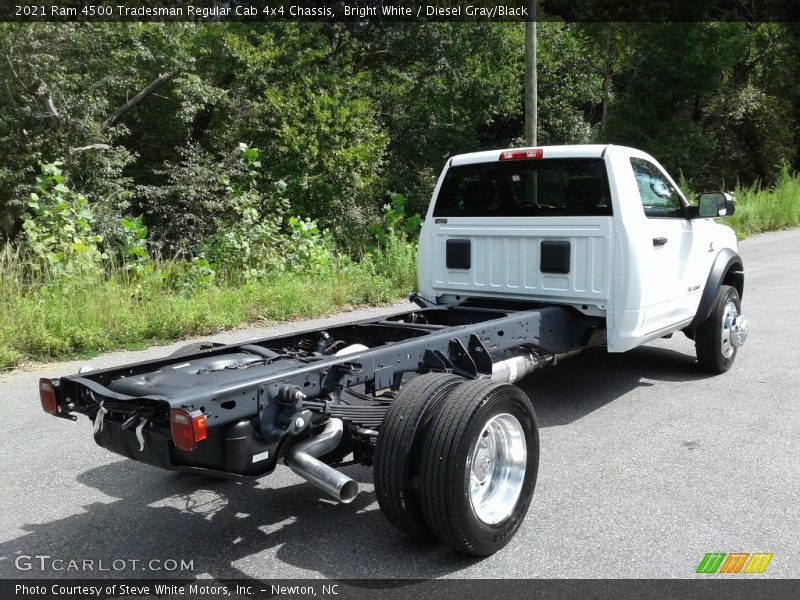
(767, 209)
(194, 201)
(396, 222)
(306, 247)
(57, 228)
(134, 245)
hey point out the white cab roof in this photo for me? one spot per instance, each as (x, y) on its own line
(572, 151)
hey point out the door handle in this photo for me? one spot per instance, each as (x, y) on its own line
(659, 241)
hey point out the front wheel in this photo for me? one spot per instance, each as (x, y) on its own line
(479, 462)
(718, 338)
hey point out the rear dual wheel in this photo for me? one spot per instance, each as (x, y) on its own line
(476, 457)
(396, 463)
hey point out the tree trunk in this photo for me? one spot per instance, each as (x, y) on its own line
(133, 102)
(12, 103)
(531, 94)
(606, 89)
(43, 96)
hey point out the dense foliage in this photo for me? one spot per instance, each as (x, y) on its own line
(345, 116)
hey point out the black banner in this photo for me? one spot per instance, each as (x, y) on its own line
(728, 588)
(394, 11)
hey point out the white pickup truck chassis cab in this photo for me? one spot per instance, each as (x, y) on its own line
(603, 229)
(526, 256)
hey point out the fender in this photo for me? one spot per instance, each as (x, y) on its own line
(727, 269)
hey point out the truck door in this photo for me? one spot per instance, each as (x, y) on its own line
(671, 294)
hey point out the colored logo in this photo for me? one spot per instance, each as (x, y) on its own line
(734, 562)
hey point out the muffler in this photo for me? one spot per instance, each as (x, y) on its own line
(512, 365)
(302, 459)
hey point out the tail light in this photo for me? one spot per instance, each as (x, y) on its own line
(47, 395)
(187, 428)
(523, 154)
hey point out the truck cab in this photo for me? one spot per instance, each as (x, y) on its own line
(601, 228)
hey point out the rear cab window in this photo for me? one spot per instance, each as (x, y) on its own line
(559, 187)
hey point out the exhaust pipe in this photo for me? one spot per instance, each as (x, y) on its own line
(515, 365)
(302, 459)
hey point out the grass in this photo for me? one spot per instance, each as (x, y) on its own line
(47, 318)
(759, 210)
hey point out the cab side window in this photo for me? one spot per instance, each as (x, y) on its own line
(659, 198)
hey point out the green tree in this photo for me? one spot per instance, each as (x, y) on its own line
(751, 116)
(68, 90)
(676, 68)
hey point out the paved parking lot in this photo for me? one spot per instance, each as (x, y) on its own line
(646, 465)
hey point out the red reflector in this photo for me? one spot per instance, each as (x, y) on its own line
(186, 428)
(199, 428)
(47, 395)
(523, 154)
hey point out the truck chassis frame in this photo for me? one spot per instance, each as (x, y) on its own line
(464, 340)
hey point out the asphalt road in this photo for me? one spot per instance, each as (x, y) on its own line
(646, 465)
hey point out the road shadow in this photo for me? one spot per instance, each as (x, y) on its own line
(229, 529)
(586, 382)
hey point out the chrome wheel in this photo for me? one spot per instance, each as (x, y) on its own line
(497, 468)
(478, 466)
(729, 315)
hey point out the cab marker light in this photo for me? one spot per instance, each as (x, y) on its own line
(522, 154)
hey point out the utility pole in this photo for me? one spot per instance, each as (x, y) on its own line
(531, 93)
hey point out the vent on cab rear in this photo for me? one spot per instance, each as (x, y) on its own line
(458, 254)
(554, 257)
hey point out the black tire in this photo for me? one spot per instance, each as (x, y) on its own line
(710, 335)
(396, 458)
(447, 466)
